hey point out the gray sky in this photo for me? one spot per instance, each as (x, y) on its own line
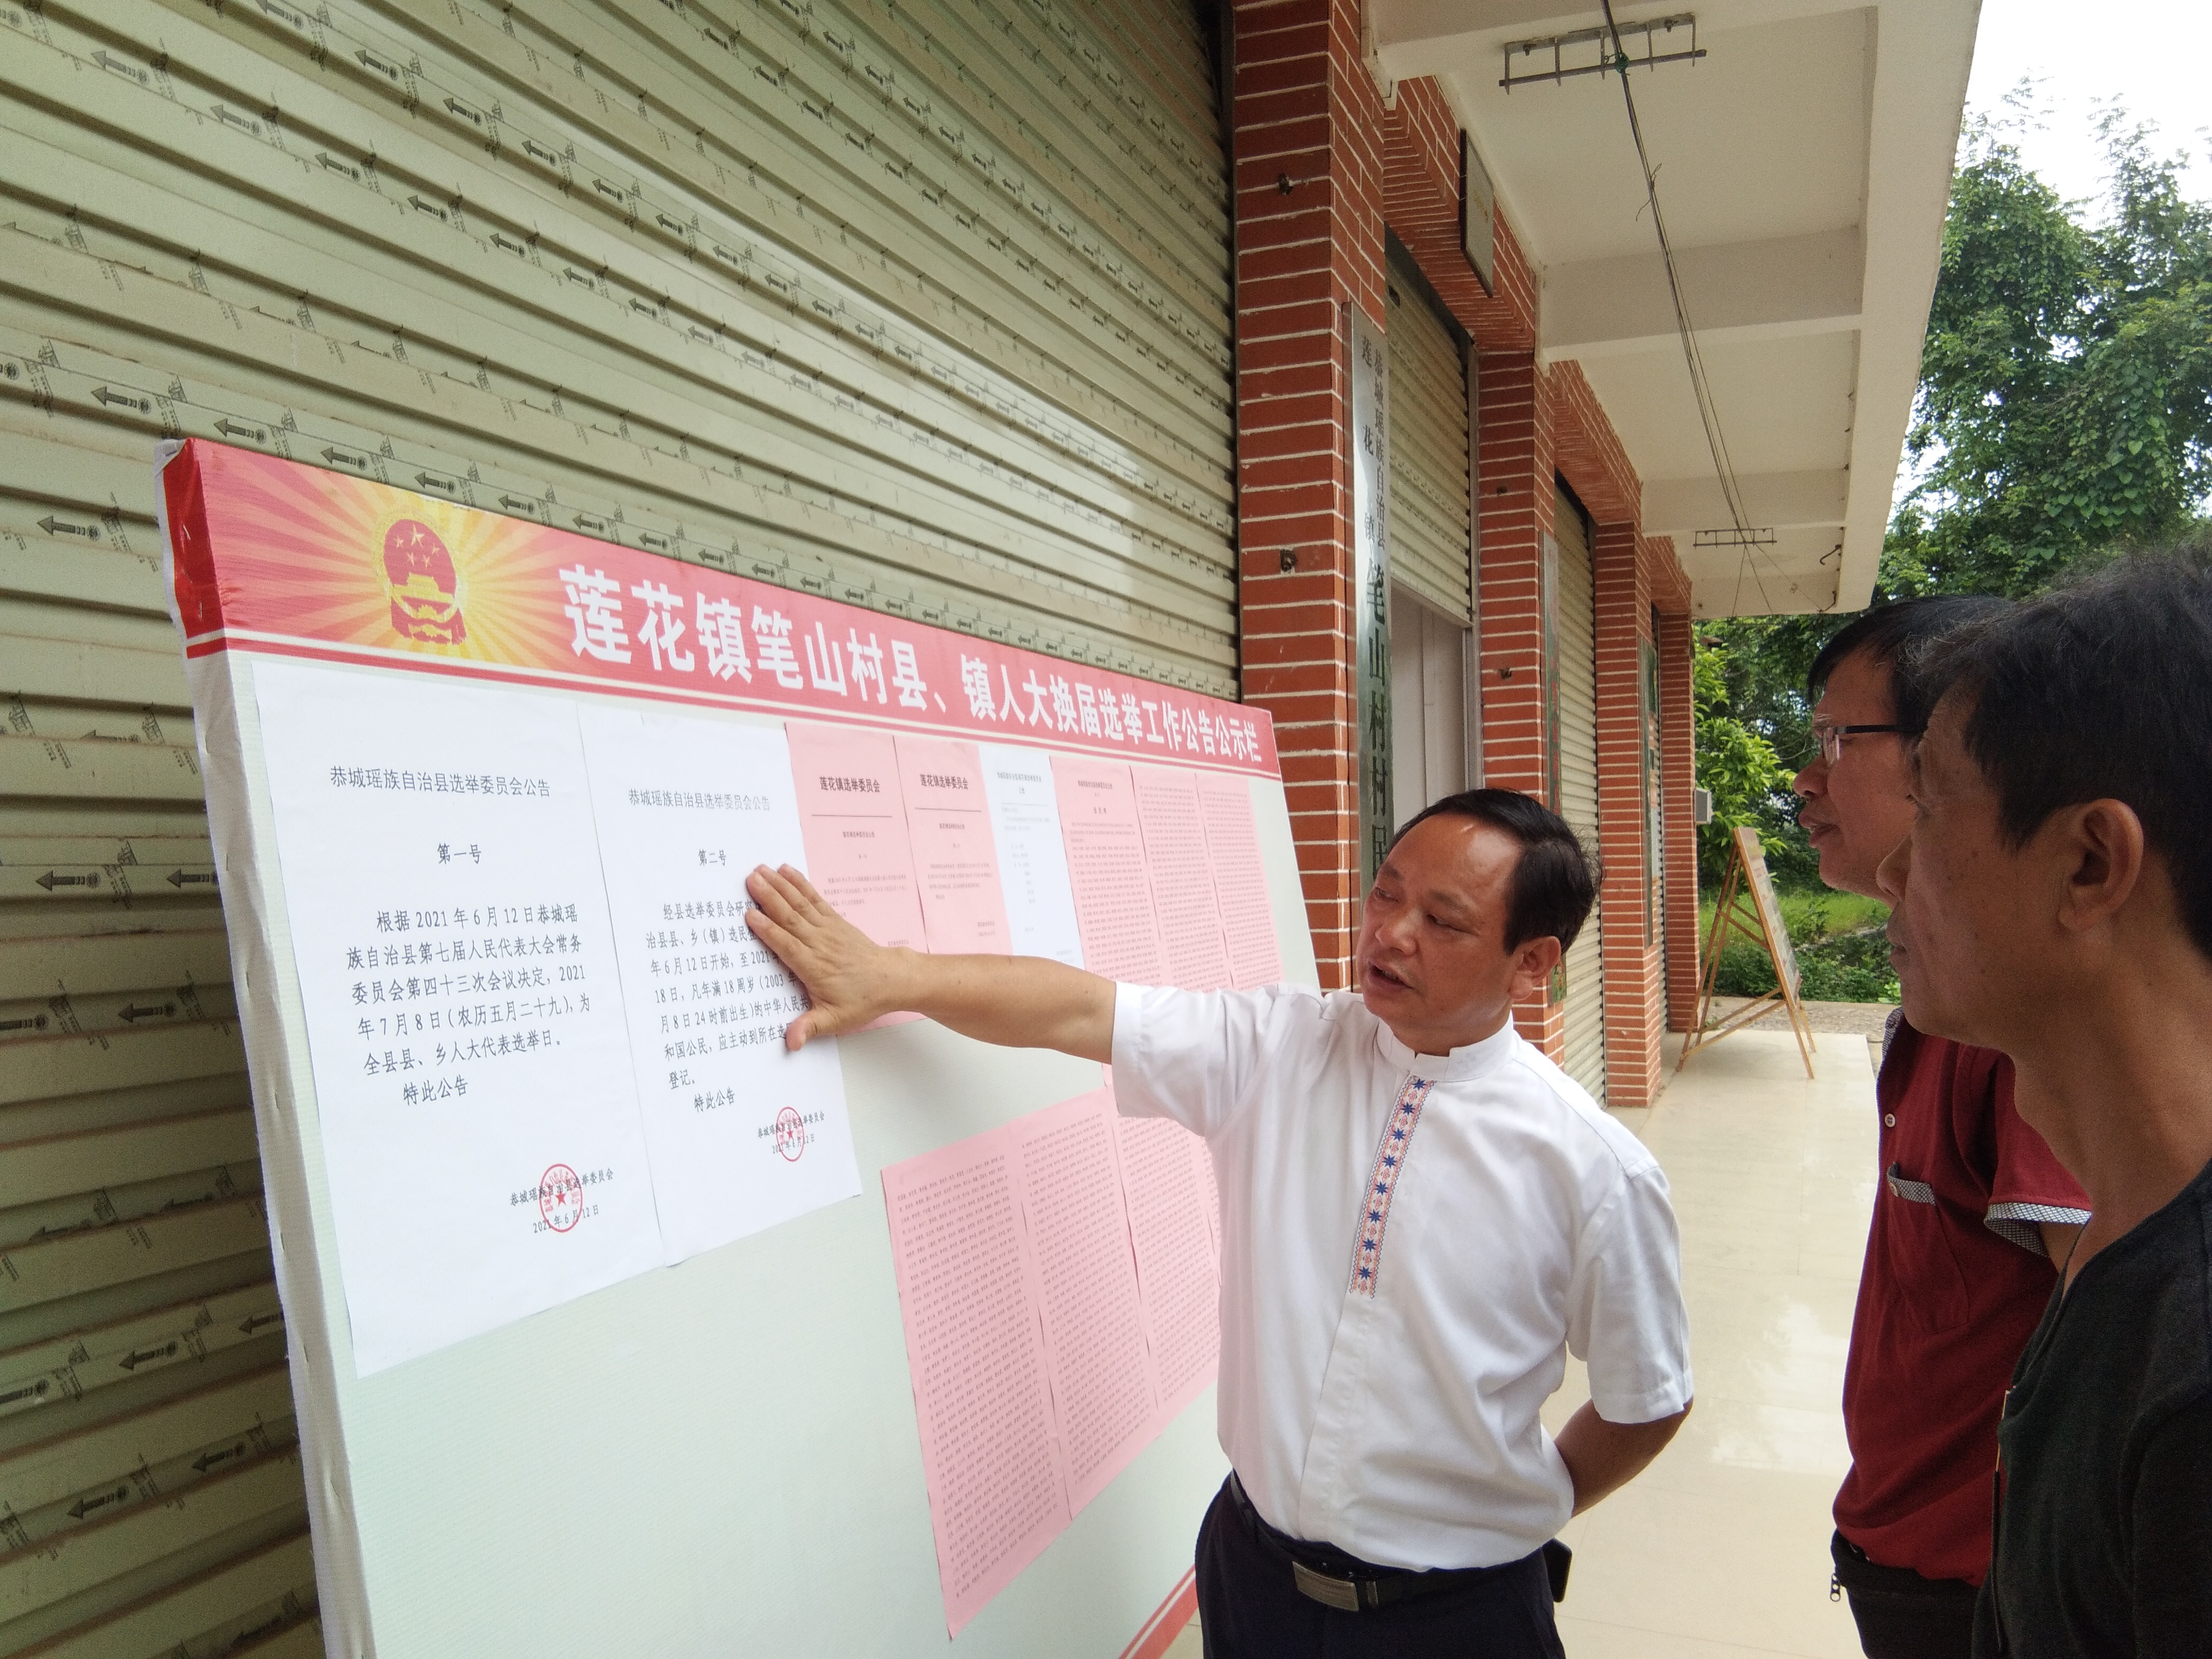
(2151, 54)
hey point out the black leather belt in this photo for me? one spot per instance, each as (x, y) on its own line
(1346, 1582)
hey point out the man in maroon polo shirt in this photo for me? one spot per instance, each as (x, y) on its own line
(1971, 1217)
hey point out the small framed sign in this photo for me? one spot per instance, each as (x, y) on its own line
(1478, 223)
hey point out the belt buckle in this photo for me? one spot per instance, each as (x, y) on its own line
(1342, 1594)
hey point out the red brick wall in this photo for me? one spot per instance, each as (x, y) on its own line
(1513, 467)
(1589, 452)
(1633, 1012)
(1308, 179)
(1319, 164)
(1535, 423)
(1678, 760)
(1513, 486)
(1422, 185)
(1589, 456)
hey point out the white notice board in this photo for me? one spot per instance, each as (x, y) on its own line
(594, 1297)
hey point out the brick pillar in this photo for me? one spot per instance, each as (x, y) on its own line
(1308, 127)
(1531, 423)
(1678, 761)
(1514, 475)
(1633, 1013)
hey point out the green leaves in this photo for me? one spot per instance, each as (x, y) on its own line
(1749, 781)
(2065, 404)
(2064, 412)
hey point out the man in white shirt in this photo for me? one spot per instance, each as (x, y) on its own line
(1421, 1215)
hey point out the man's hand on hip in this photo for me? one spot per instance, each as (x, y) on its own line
(1602, 1458)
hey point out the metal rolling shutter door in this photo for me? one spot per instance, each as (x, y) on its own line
(1576, 599)
(1431, 544)
(924, 308)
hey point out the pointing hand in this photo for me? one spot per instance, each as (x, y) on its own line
(848, 978)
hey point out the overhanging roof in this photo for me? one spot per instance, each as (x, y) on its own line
(1804, 167)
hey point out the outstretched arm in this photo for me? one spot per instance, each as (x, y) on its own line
(1018, 1002)
(1602, 1458)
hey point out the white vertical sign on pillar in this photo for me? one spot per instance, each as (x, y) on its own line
(1371, 581)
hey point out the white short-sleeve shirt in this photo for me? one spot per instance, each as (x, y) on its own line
(1410, 1246)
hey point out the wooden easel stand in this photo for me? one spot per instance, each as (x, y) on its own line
(1736, 914)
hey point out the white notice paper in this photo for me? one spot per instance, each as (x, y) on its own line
(743, 1133)
(464, 1019)
(1032, 857)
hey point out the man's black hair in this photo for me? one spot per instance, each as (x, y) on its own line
(2102, 690)
(1899, 637)
(1555, 883)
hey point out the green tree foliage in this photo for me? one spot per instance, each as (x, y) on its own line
(2065, 405)
(2065, 413)
(1737, 762)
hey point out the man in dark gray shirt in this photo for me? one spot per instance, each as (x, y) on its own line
(2054, 900)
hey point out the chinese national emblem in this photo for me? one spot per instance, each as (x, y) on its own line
(423, 587)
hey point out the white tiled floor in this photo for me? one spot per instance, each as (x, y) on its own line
(1720, 1549)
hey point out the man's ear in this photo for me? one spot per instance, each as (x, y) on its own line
(1535, 961)
(2100, 851)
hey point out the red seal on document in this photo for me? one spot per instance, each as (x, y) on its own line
(561, 1198)
(790, 1134)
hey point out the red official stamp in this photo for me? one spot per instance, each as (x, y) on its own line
(790, 1134)
(561, 1198)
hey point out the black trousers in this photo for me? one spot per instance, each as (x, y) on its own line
(1901, 1615)
(1249, 1609)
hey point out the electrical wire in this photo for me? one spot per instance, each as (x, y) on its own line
(1709, 414)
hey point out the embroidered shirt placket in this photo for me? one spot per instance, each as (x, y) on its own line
(1383, 1183)
(1323, 1493)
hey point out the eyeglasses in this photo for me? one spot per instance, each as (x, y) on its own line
(1830, 738)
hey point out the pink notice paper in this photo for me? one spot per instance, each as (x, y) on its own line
(1094, 1322)
(1174, 1238)
(1232, 848)
(1107, 868)
(1056, 1276)
(1182, 886)
(948, 820)
(967, 1283)
(854, 826)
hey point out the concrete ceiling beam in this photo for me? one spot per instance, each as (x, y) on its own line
(1918, 91)
(1775, 500)
(1808, 114)
(1783, 286)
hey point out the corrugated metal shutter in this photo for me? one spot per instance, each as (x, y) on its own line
(1431, 544)
(929, 312)
(1428, 706)
(1575, 598)
(923, 306)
